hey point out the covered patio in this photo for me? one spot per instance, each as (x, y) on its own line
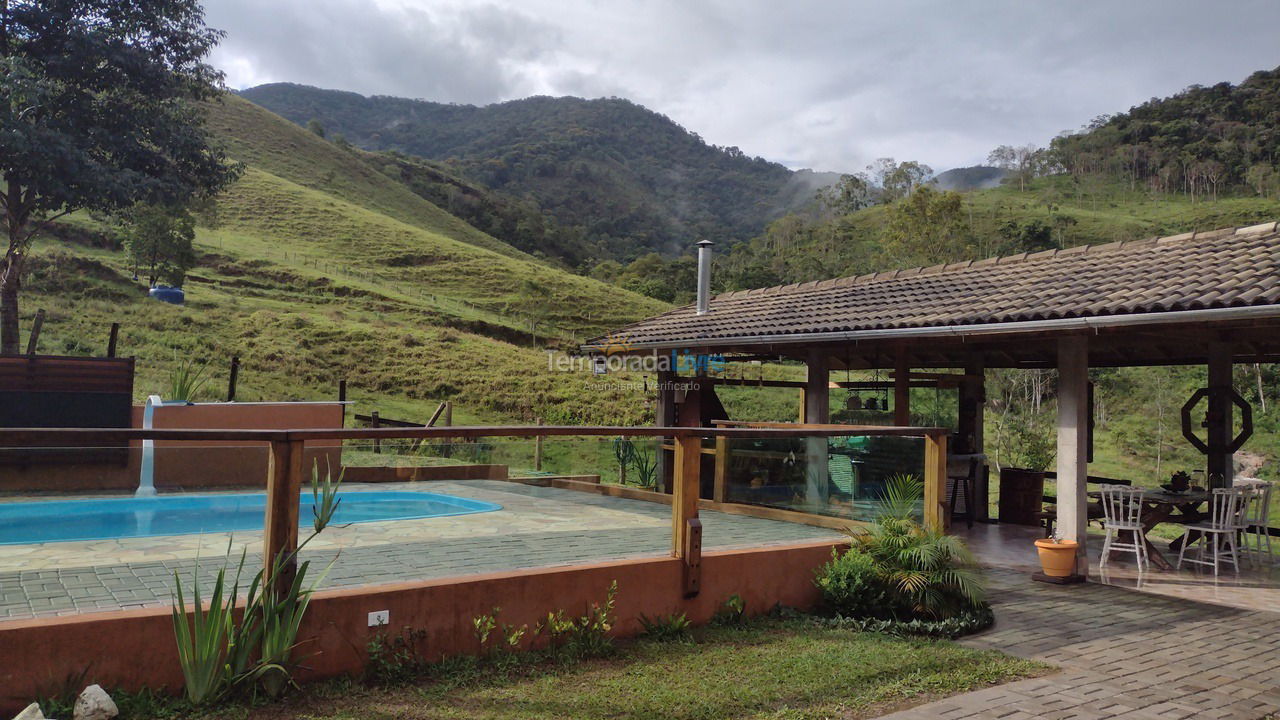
(1203, 298)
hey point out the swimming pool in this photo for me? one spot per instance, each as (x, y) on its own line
(107, 518)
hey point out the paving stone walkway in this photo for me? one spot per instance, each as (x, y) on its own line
(537, 527)
(1122, 654)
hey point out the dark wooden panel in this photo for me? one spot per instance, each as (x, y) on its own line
(39, 373)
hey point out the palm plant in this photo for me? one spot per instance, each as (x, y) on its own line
(930, 573)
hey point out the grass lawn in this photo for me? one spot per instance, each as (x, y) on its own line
(770, 669)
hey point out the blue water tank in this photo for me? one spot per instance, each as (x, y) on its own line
(164, 293)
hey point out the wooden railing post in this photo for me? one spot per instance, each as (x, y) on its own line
(284, 488)
(686, 528)
(537, 451)
(720, 490)
(935, 479)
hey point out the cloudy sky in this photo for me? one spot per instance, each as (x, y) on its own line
(830, 85)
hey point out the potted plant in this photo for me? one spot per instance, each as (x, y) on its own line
(1031, 451)
(1057, 556)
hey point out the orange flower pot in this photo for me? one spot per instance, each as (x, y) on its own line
(1057, 559)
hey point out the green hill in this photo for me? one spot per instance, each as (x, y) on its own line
(316, 267)
(628, 179)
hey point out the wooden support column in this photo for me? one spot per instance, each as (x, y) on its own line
(817, 410)
(935, 478)
(686, 528)
(1219, 462)
(1073, 439)
(280, 525)
(901, 389)
(973, 400)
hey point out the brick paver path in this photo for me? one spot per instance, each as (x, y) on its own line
(1122, 654)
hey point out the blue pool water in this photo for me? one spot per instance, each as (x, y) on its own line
(104, 518)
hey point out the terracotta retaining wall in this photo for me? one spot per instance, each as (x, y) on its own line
(427, 472)
(135, 649)
(186, 466)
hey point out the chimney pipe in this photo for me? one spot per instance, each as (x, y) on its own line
(704, 276)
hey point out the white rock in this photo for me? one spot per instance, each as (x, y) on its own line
(95, 704)
(32, 712)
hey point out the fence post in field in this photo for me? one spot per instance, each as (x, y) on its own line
(280, 526)
(34, 341)
(115, 336)
(232, 378)
(686, 528)
(374, 423)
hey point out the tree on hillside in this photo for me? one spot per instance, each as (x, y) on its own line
(850, 193)
(100, 111)
(927, 228)
(1025, 162)
(898, 179)
(315, 127)
(158, 240)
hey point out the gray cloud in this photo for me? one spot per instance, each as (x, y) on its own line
(830, 85)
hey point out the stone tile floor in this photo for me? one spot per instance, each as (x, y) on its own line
(537, 527)
(1256, 587)
(1122, 654)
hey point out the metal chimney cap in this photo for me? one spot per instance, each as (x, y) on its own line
(705, 243)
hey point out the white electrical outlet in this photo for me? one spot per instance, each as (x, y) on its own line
(381, 617)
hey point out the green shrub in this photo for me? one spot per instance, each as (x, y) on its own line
(852, 586)
(394, 660)
(966, 622)
(732, 613)
(666, 628)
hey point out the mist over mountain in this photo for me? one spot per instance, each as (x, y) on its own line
(978, 177)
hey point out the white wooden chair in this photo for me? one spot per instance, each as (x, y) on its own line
(1219, 535)
(1122, 513)
(1255, 538)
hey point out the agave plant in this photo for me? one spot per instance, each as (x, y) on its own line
(206, 641)
(187, 378)
(640, 457)
(216, 651)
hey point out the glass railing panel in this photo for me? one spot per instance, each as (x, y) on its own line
(847, 477)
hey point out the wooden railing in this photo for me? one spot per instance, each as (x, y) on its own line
(286, 469)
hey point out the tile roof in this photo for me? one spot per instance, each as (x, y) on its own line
(1231, 267)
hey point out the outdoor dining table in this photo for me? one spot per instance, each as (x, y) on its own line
(1162, 506)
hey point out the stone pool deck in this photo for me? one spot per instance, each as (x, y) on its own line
(536, 527)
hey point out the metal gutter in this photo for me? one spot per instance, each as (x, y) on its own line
(1024, 326)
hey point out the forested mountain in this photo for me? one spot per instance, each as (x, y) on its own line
(1199, 142)
(623, 179)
